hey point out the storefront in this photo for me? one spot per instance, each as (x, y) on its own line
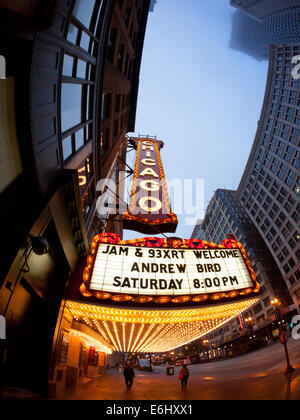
(80, 356)
(143, 297)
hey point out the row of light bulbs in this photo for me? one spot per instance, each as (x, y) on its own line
(155, 331)
(157, 316)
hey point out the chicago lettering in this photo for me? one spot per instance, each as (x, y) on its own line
(150, 185)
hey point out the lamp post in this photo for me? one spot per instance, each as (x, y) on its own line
(206, 346)
(250, 329)
(283, 339)
(249, 322)
(276, 304)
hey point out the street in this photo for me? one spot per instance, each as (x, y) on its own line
(255, 376)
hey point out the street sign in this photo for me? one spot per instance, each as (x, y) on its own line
(283, 338)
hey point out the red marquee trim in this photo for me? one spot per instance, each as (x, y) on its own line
(173, 243)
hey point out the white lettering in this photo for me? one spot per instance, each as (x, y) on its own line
(157, 204)
(2, 67)
(150, 172)
(2, 328)
(296, 329)
(149, 185)
(148, 162)
(296, 69)
(145, 147)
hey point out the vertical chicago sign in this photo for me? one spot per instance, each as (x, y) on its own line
(149, 210)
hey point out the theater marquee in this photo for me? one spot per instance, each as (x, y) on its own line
(167, 271)
(149, 209)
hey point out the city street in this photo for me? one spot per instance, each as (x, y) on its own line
(255, 376)
(123, 251)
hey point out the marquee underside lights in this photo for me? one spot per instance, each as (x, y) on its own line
(156, 271)
(132, 330)
(149, 209)
(91, 341)
(155, 294)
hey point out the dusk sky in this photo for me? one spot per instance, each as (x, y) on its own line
(198, 96)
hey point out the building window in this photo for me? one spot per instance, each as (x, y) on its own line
(112, 44)
(83, 11)
(71, 105)
(121, 54)
(106, 105)
(105, 141)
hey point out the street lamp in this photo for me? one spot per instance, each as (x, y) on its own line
(275, 302)
(250, 323)
(283, 339)
(276, 305)
(206, 347)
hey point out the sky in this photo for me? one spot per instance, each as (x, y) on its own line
(200, 97)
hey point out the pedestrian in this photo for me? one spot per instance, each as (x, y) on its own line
(129, 375)
(120, 367)
(184, 376)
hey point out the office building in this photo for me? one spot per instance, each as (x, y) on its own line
(66, 105)
(225, 216)
(254, 37)
(270, 187)
(262, 9)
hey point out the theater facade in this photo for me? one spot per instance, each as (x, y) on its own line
(151, 295)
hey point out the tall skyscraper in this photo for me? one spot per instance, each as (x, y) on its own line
(225, 215)
(261, 9)
(254, 37)
(270, 187)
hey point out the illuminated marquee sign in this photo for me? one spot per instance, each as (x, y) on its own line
(163, 271)
(149, 209)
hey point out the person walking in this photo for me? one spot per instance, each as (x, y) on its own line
(184, 376)
(129, 376)
(120, 367)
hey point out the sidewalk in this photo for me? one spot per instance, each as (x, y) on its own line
(253, 376)
(269, 385)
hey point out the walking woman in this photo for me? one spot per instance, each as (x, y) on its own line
(184, 376)
(129, 376)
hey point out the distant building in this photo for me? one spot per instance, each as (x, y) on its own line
(224, 216)
(262, 9)
(152, 5)
(198, 232)
(270, 187)
(254, 37)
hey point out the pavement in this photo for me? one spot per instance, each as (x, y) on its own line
(254, 376)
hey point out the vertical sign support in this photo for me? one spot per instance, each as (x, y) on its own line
(149, 209)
